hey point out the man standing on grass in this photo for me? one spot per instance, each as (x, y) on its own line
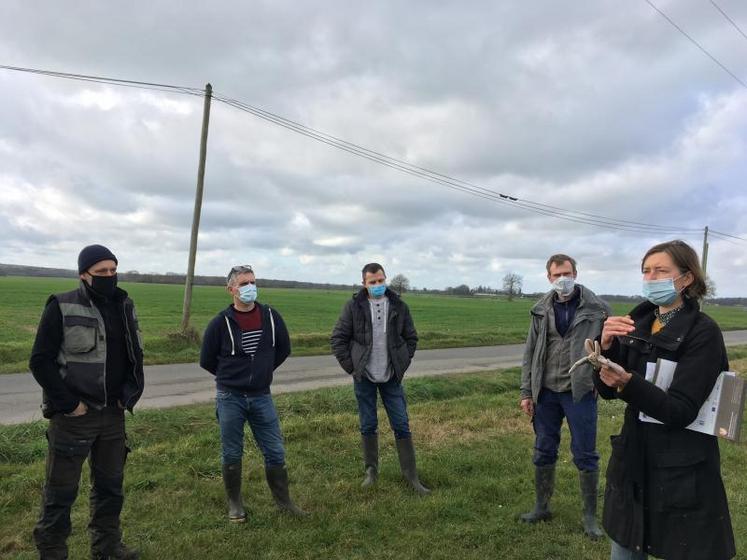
(242, 347)
(88, 358)
(560, 323)
(374, 340)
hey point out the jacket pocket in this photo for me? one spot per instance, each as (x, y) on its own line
(401, 358)
(357, 351)
(72, 447)
(79, 334)
(233, 370)
(616, 465)
(675, 479)
(347, 364)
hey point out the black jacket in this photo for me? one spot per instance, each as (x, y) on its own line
(222, 355)
(664, 492)
(352, 337)
(62, 395)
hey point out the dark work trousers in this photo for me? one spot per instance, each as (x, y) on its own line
(100, 436)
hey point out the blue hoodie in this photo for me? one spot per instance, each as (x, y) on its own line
(235, 371)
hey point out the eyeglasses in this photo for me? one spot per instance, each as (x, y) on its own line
(239, 269)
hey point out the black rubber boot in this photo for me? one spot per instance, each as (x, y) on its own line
(406, 452)
(232, 484)
(589, 491)
(370, 445)
(544, 485)
(277, 480)
(119, 552)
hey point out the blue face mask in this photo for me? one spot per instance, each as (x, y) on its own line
(377, 291)
(248, 293)
(660, 292)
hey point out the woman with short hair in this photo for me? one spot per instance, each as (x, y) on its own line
(664, 494)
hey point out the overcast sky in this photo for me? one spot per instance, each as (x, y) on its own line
(600, 107)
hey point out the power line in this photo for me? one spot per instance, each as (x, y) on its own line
(111, 81)
(723, 13)
(726, 235)
(451, 182)
(385, 160)
(694, 42)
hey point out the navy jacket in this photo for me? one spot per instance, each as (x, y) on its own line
(222, 355)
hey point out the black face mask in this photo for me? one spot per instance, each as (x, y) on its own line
(104, 285)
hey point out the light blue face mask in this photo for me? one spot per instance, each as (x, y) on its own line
(377, 291)
(660, 292)
(248, 293)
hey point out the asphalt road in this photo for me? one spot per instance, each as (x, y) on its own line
(180, 384)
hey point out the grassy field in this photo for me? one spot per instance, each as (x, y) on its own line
(474, 448)
(442, 321)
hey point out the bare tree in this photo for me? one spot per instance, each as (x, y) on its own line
(710, 288)
(400, 284)
(512, 284)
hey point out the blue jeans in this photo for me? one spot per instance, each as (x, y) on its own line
(549, 412)
(393, 397)
(619, 553)
(233, 410)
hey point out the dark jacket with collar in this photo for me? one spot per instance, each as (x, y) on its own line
(664, 492)
(234, 370)
(352, 337)
(69, 358)
(587, 323)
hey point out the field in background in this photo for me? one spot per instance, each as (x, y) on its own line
(442, 321)
(474, 449)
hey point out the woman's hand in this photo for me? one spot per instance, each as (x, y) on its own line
(615, 326)
(615, 377)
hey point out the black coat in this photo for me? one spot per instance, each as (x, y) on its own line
(664, 492)
(352, 337)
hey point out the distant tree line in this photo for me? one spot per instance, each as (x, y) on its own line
(168, 278)
(512, 284)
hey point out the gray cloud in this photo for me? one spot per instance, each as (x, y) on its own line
(579, 106)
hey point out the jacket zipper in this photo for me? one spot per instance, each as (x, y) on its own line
(230, 334)
(131, 350)
(102, 322)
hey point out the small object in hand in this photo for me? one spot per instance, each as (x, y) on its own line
(595, 358)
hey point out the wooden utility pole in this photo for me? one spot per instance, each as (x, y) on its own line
(704, 256)
(198, 209)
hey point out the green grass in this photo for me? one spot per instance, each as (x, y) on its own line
(474, 449)
(442, 321)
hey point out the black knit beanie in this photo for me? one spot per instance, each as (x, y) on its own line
(92, 254)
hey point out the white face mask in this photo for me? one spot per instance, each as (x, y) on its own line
(564, 285)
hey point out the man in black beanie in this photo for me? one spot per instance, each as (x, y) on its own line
(88, 358)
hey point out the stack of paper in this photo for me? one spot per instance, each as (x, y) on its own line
(721, 413)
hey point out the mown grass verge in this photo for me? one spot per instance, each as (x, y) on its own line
(474, 449)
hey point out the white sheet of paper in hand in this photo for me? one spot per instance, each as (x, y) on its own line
(660, 373)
